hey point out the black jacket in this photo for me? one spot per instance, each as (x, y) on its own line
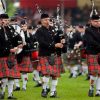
(46, 41)
(92, 40)
(8, 40)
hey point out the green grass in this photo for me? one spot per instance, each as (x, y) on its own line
(68, 89)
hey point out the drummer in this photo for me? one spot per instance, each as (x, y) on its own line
(23, 58)
(34, 56)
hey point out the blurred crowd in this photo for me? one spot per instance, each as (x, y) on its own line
(72, 16)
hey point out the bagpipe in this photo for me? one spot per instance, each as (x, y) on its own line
(57, 24)
(94, 11)
(14, 40)
(17, 38)
(38, 9)
(11, 43)
(59, 29)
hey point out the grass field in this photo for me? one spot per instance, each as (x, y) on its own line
(68, 89)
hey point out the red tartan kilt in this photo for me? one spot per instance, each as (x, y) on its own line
(5, 72)
(26, 65)
(83, 53)
(60, 64)
(93, 66)
(98, 59)
(46, 69)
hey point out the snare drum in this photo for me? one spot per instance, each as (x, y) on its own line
(34, 56)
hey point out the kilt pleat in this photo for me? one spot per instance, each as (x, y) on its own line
(59, 63)
(93, 66)
(26, 65)
(52, 70)
(6, 72)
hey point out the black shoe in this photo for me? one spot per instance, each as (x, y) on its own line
(54, 95)
(17, 89)
(38, 85)
(91, 93)
(44, 93)
(79, 74)
(88, 78)
(48, 90)
(11, 97)
(97, 95)
(2, 96)
(71, 75)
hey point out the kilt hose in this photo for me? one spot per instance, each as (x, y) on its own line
(93, 66)
(26, 65)
(52, 70)
(6, 72)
